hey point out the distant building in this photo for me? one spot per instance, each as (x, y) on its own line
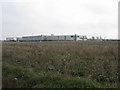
(52, 37)
(11, 39)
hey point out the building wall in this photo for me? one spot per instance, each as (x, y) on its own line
(11, 39)
(32, 38)
(60, 37)
(52, 38)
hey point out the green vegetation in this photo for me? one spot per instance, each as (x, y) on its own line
(84, 64)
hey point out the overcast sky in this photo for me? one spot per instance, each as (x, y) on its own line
(36, 17)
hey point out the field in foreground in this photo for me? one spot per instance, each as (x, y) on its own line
(60, 64)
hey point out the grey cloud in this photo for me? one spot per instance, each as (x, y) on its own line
(58, 17)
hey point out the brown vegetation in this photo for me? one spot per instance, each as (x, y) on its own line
(92, 60)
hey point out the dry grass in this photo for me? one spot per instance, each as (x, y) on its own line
(92, 60)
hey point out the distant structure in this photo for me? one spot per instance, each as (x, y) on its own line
(11, 39)
(52, 37)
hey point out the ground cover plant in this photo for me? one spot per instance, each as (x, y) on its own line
(60, 64)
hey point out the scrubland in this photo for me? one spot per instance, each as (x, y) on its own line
(84, 64)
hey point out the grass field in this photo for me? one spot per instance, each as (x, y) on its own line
(84, 64)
